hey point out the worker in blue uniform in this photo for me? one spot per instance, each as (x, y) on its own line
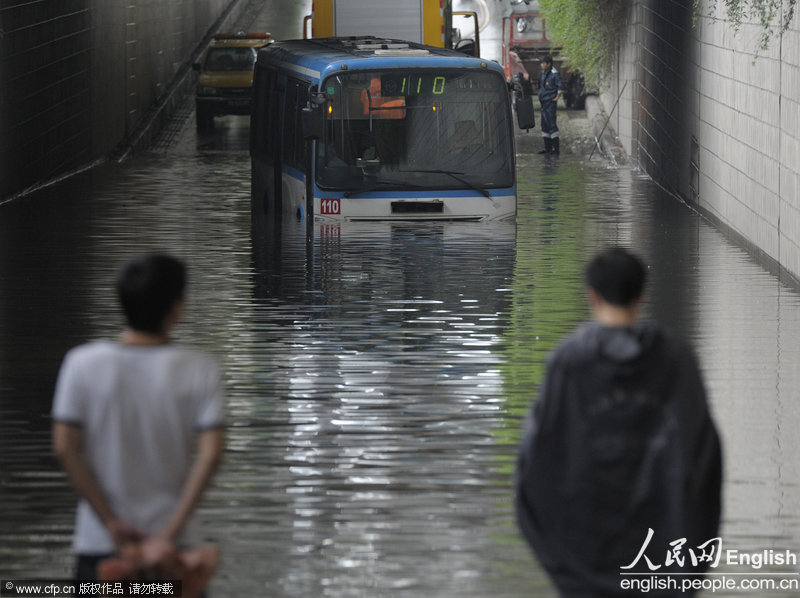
(550, 90)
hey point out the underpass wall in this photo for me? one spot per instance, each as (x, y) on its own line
(715, 119)
(79, 77)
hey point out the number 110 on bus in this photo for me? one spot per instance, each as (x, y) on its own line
(413, 85)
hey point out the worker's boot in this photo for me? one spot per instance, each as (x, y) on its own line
(548, 145)
(554, 148)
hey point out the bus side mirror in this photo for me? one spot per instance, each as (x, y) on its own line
(524, 110)
(312, 123)
(466, 46)
(523, 102)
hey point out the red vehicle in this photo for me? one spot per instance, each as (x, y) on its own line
(525, 41)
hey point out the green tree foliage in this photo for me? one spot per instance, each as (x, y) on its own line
(587, 31)
(774, 16)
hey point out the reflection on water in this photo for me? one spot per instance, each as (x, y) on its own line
(377, 377)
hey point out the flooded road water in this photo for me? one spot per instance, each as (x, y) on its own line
(376, 380)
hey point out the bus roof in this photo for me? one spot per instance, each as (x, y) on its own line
(316, 58)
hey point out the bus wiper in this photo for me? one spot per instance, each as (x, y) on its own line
(461, 180)
(398, 185)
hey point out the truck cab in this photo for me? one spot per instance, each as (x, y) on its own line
(429, 23)
(225, 81)
(526, 41)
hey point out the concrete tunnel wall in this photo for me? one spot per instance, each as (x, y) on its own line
(714, 119)
(77, 77)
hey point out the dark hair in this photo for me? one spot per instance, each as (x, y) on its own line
(148, 287)
(617, 276)
(547, 58)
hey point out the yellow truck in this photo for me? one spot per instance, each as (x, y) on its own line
(428, 22)
(225, 83)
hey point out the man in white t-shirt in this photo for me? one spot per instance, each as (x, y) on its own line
(138, 422)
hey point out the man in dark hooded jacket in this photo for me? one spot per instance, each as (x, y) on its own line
(619, 470)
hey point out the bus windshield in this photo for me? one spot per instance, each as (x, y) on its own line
(412, 128)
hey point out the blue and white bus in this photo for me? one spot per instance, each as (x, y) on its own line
(360, 128)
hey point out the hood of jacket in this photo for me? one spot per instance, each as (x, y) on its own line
(618, 343)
